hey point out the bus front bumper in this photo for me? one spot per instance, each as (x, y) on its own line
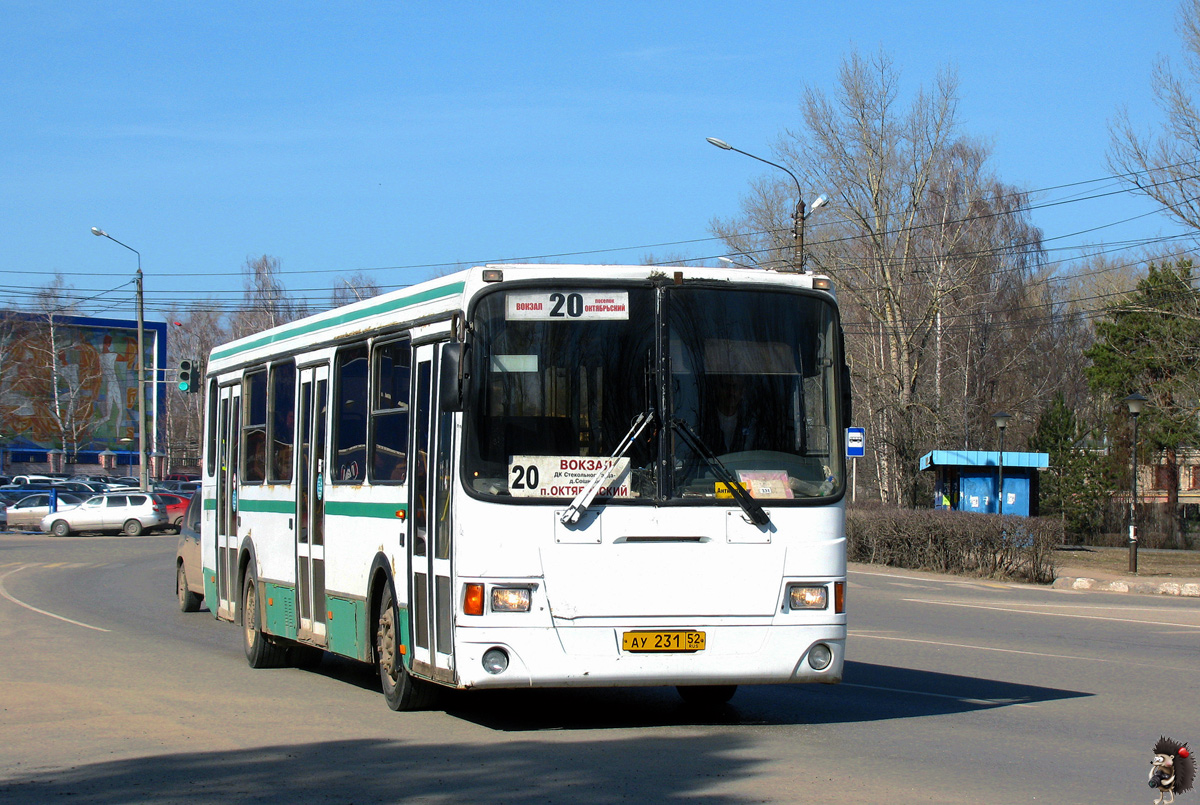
(593, 656)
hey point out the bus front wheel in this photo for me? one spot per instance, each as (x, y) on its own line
(400, 690)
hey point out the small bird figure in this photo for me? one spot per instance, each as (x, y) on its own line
(1172, 770)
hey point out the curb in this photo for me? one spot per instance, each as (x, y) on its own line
(1187, 589)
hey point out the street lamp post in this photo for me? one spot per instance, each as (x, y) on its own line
(1001, 420)
(1135, 402)
(141, 362)
(799, 217)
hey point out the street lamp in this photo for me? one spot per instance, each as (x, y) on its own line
(141, 363)
(1135, 402)
(1001, 420)
(800, 215)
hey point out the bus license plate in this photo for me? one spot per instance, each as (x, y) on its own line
(663, 641)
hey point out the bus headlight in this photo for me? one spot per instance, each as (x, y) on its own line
(511, 599)
(807, 596)
(819, 657)
(495, 661)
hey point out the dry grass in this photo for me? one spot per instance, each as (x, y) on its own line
(1115, 561)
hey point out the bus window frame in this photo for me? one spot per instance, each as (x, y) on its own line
(335, 404)
(274, 445)
(375, 415)
(248, 429)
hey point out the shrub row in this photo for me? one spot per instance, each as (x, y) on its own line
(955, 542)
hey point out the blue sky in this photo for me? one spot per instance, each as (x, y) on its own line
(397, 136)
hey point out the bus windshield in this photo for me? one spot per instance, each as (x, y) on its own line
(739, 384)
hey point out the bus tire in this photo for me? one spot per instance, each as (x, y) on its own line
(706, 695)
(133, 528)
(400, 690)
(260, 651)
(60, 529)
(188, 600)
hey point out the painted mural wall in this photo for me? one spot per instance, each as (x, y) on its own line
(92, 364)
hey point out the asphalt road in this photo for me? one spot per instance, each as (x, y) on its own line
(955, 691)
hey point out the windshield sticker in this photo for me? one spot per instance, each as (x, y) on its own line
(567, 476)
(567, 306)
(761, 484)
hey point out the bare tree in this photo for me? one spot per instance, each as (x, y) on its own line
(355, 288)
(1165, 165)
(929, 251)
(265, 301)
(194, 333)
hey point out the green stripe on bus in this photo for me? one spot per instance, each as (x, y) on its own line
(345, 318)
(210, 504)
(276, 506)
(347, 508)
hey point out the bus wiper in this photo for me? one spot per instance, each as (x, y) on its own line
(588, 494)
(749, 505)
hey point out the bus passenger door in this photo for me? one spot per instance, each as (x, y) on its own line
(431, 591)
(311, 483)
(229, 413)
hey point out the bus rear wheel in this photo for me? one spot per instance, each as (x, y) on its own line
(706, 695)
(260, 651)
(400, 690)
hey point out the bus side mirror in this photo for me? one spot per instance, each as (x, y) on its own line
(452, 378)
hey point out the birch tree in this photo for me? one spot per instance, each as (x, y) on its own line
(265, 300)
(921, 240)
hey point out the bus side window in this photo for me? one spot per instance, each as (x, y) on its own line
(389, 412)
(254, 430)
(350, 415)
(282, 422)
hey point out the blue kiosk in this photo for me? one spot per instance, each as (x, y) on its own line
(966, 480)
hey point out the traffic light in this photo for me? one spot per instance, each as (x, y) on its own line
(189, 376)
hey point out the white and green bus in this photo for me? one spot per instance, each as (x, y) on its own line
(539, 476)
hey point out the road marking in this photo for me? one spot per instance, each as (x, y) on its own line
(1051, 614)
(5, 594)
(988, 702)
(859, 635)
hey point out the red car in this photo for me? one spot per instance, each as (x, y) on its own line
(175, 505)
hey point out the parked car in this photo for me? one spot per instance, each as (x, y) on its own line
(74, 486)
(11, 494)
(176, 476)
(175, 505)
(189, 576)
(3, 516)
(182, 488)
(116, 512)
(31, 480)
(27, 513)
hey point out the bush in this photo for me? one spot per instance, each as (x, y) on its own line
(966, 543)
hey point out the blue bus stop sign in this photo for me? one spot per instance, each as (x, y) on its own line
(856, 442)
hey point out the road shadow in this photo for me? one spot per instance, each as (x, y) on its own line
(868, 693)
(651, 769)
